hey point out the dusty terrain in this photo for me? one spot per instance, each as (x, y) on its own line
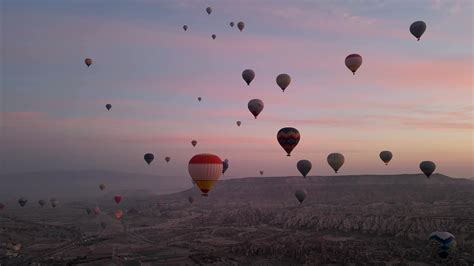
(253, 221)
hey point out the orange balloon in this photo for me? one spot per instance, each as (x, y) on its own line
(118, 214)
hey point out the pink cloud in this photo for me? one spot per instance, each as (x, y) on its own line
(453, 74)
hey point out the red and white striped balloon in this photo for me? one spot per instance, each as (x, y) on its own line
(205, 169)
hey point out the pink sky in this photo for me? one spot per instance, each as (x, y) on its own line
(413, 98)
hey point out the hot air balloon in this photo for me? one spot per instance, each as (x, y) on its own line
(194, 143)
(96, 210)
(41, 202)
(199, 99)
(427, 167)
(22, 202)
(167, 159)
(117, 199)
(255, 107)
(2, 206)
(353, 62)
(238, 123)
(386, 156)
(103, 225)
(248, 75)
(213, 36)
(304, 166)
(118, 214)
(190, 199)
(185, 27)
(283, 80)
(417, 28)
(149, 157)
(209, 10)
(108, 106)
(101, 186)
(300, 195)
(232, 24)
(442, 243)
(89, 211)
(241, 25)
(288, 138)
(261, 172)
(225, 165)
(88, 62)
(335, 160)
(54, 202)
(205, 169)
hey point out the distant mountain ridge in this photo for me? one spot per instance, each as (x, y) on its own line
(363, 189)
(372, 179)
(85, 183)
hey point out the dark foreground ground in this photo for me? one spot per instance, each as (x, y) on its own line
(383, 220)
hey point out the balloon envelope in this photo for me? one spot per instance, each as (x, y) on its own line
(96, 210)
(89, 211)
(185, 27)
(353, 62)
(304, 166)
(22, 202)
(118, 214)
(283, 80)
(108, 106)
(238, 123)
(417, 29)
(261, 172)
(335, 160)
(103, 225)
(167, 159)
(427, 167)
(117, 199)
(255, 107)
(225, 165)
(209, 10)
(194, 143)
(88, 62)
(190, 199)
(300, 195)
(241, 25)
(213, 36)
(386, 156)
(288, 137)
(248, 75)
(199, 98)
(101, 186)
(205, 169)
(149, 157)
(41, 202)
(232, 24)
(442, 243)
(54, 203)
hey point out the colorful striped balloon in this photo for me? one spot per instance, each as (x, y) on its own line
(288, 138)
(205, 169)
